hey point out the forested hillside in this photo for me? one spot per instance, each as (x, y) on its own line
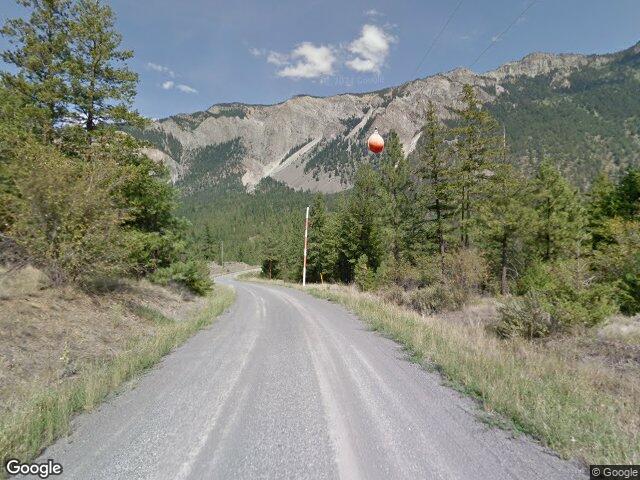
(588, 121)
(463, 220)
(244, 222)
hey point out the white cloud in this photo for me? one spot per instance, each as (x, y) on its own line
(170, 85)
(312, 61)
(277, 58)
(371, 49)
(367, 53)
(161, 68)
(373, 13)
(186, 88)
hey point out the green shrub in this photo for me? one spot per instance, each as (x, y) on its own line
(364, 274)
(192, 274)
(435, 284)
(64, 214)
(466, 270)
(149, 251)
(393, 293)
(524, 317)
(436, 298)
(567, 290)
(618, 262)
(402, 274)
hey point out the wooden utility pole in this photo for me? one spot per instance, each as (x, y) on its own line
(304, 261)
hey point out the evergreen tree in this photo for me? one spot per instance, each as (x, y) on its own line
(68, 61)
(319, 254)
(360, 225)
(506, 219)
(270, 255)
(293, 248)
(477, 146)
(40, 55)
(437, 189)
(562, 219)
(600, 206)
(209, 244)
(628, 195)
(398, 199)
(102, 86)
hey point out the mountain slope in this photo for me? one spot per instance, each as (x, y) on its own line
(581, 109)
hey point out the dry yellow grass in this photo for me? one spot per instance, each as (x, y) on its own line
(624, 329)
(48, 334)
(131, 337)
(580, 409)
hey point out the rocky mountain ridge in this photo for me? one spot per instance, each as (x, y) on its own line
(315, 143)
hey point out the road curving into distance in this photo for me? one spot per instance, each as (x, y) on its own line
(285, 385)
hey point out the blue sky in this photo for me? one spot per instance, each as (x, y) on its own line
(191, 54)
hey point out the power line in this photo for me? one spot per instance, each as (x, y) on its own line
(437, 37)
(504, 32)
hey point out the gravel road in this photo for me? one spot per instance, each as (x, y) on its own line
(284, 385)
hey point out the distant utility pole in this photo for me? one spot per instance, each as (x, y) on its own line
(222, 254)
(304, 261)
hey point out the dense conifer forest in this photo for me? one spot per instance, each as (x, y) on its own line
(462, 220)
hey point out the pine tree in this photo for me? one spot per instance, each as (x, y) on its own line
(317, 266)
(562, 223)
(209, 243)
(506, 220)
(398, 192)
(601, 205)
(271, 260)
(437, 188)
(360, 225)
(477, 147)
(628, 195)
(40, 54)
(102, 86)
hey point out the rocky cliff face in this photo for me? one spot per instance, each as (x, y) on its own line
(315, 143)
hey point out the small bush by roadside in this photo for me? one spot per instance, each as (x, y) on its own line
(557, 297)
(437, 285)
(191, 274)
(524, 317)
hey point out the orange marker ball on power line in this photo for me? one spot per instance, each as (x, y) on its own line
(375, 142)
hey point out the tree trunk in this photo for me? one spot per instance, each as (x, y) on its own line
(504, 286)
(547, 254)
(90, 123)
(440, 233)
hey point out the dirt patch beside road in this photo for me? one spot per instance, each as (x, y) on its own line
(49, 334)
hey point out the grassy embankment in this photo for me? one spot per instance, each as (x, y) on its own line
(581, 409)
(45, 415)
